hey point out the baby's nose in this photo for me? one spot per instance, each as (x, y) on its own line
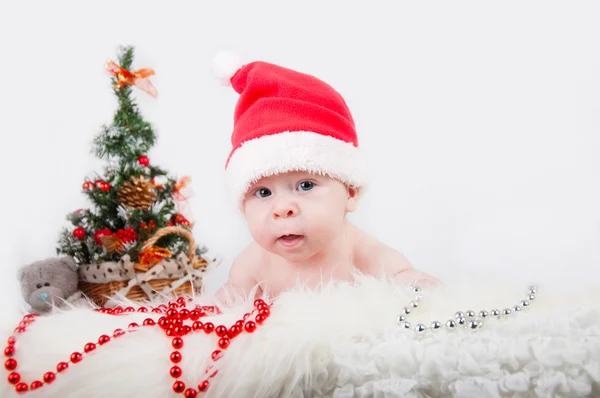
(285, 210)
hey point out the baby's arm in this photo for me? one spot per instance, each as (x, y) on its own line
(398, 266)
(242, 277)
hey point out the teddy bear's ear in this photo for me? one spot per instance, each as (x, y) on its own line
(21, 273)
(68, 261)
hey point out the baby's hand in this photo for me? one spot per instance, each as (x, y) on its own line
(417, 278)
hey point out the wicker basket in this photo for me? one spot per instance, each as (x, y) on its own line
(100, 293)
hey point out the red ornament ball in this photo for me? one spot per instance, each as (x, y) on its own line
(14, 378)
(76, 357)
(104, 186)
(175, 357)
(203, 386)
(9, 351)
(179, 387)
(144, 161)
(10, 364)
(62, 366)
(100, 233)
(21, 388)
(175, 372)
(190, 393)
(49, 377)
(79, 233)
(250, 326)
(88, 185)
(36, 384)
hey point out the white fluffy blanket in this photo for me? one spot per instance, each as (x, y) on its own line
(341, 342)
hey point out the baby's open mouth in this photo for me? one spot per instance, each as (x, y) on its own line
(290, 240)
(290, 237)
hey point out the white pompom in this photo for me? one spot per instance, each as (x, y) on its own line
(225, 64)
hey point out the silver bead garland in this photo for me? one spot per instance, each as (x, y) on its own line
(462, 319)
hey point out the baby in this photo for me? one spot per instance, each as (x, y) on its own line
(297, 171)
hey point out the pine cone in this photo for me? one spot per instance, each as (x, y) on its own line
(137, 193)
(111, 243)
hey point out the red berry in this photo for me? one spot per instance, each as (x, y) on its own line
(105, 187)
(89, 347)
(144, 161)
(258, 302)
(260, 318)
(11, 340)
(79, 233)
(149, 322)
(49, 377)
(87, 185)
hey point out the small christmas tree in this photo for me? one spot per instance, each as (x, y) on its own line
(133, 199)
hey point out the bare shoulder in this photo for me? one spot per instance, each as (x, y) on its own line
(374, 257)
(243, 275)
(246, 265)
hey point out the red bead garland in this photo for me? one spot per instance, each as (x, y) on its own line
(172, 323)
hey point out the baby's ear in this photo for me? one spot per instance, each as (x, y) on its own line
(353, 198)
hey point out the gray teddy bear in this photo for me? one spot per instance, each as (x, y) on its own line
(49, 283)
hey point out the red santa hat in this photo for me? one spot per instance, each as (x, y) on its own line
(287, 121)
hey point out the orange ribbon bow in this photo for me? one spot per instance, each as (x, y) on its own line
(139, 78)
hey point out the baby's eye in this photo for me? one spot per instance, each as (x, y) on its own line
(262, 193)
(306, 186)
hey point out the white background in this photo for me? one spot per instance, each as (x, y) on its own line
(480, 121)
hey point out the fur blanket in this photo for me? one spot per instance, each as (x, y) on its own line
(344, 341)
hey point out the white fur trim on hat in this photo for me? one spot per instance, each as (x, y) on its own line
(295, 151)
(225, 64)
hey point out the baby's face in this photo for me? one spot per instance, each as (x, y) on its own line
(297, 214)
